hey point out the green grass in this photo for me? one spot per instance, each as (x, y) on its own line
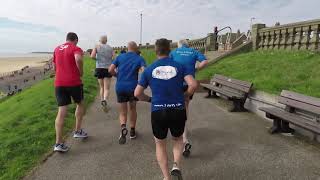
(27, 124)
(272, 71)
(149, 55)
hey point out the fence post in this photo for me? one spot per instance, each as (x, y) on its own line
(255, 35)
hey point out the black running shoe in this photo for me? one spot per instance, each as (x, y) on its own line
(176, 173)
(105, 106)
(187, 150)
(133, 134)
(123, 134)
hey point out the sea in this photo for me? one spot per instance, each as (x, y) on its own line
(17, 55)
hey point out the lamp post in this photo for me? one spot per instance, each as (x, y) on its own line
(141, 28)
(251, 21)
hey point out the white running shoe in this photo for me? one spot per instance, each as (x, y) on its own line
(60, 148)
(80, 134)
(176, 173)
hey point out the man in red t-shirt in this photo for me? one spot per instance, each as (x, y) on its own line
(68, 65)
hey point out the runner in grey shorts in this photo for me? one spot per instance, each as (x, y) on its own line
(103, 54)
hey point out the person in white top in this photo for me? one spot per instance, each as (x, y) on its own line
(103, 54)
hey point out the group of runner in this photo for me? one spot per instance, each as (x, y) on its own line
(170, 78)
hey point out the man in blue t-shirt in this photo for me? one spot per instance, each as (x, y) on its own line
(165, 78)
(126, 67)
(188, 57)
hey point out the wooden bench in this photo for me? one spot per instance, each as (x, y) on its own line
(300, 110)
(232, 89)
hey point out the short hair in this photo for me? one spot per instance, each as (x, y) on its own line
(163, 46)
(104, 39)
(71, 36)
(183, 42)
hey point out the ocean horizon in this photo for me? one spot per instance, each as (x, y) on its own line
(19, 55)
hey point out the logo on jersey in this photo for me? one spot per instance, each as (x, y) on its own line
(164, 72)
(62, 47)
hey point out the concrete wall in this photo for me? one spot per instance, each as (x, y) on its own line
(296, 36)
(207, 43)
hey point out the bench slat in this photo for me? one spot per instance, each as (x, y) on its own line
(299, 105)
(223, 91)
(300, 97)
(235, 81)
(232, 85)
(293, 119)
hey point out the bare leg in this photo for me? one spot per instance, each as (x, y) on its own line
(106, 84)
(79, 115)
(177, 149)
(101, 85)
(185, 137)
(62, 113)
(123, 109)
(162, 157)
(133, 114)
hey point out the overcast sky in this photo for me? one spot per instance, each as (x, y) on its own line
(40, 25)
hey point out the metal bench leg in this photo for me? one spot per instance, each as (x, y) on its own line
(285, 128)
(238, 106)
(276, 128)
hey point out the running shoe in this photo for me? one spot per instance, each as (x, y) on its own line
(133, 134)
(105, 106)
(60, 148)
(123, 134)
(176, 173)
(187, 150)
(80, 134)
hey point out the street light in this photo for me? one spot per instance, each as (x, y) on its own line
(251, 20)
(141, 28)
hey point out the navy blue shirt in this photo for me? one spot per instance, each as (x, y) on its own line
(165, 78)
(128, 66)
(188, 57)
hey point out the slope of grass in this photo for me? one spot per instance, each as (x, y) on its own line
(27, 124)
(149, 55)
(272, 71)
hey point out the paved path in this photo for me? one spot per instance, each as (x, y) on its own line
(226, 146)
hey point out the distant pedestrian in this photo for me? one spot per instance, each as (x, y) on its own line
(103, 54)
(188, 57)
(123, 51)
(126, 67)
(68, 65)
(165, 78)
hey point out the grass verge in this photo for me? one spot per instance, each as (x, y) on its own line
(27, 124)
(272, 71)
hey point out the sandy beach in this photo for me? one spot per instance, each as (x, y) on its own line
(9, 64)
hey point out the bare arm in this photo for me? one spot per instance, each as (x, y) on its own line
(79, 63)
(112, 69)
(94, 53)
(139, 93)
(202, 65)
(192, 85)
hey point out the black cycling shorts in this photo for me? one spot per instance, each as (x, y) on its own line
(64, 94)
(168, 119)
(102, 73)
(126, 97)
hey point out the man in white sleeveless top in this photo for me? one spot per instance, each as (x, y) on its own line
(103, 54)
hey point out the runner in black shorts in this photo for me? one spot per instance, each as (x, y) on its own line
(68, 66)
(165, 78)
(126, 67)
(103, 54)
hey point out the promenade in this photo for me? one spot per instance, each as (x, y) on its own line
(225, 146)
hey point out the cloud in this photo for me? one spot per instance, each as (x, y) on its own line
(120, 19)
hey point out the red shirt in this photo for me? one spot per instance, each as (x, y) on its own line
(67, 72)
